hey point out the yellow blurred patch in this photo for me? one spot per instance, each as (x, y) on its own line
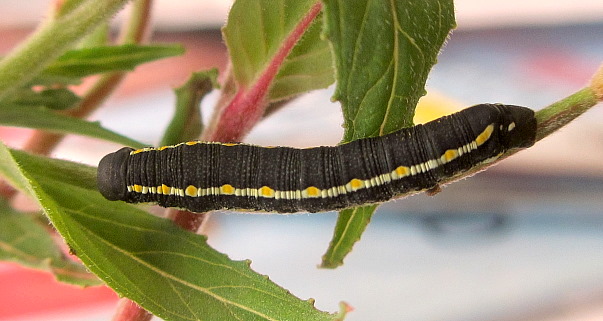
(435, 105)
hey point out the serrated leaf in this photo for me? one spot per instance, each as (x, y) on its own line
(24, 240)
(42, 118)
(58, 99)
(257, 30)
(89, 61)
(168, 271)
(187, 123)
(383, 54)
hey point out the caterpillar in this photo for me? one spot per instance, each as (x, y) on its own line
(204, 176)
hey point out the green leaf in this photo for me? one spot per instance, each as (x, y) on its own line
(309, 66)
(255, 32)
(186, 124)
(51, 40)
(58, 99)
(99, 37)
(351, 223)
(383, 54)
(168, 271)
(89, 61)
(48, 80)
(42, 118)
(26, 241)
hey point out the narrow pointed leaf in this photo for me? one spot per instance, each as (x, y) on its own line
(42, 118)
(168, 271)
(89, 61)
(187, 122)
(351, 223)
(58, 99)
(48, 80)
(52, 39)
(383, 54)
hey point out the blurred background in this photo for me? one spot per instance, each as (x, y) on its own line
(520, 242)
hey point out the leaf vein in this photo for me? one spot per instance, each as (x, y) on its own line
(171, 277)
(345, 230)
(357, 46)
(136, 228)
(184, 302)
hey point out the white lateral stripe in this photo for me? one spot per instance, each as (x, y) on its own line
(352, 186)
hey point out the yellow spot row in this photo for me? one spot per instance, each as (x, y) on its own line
(268, 192)
(313, 191)
(191, 143)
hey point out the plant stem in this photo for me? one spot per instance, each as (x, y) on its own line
(560, 113)
(596, 83)
(51, 40)
(137, 27)
(128, 310)
(136, 30)
(6, 191)
(238, 112)
(187, 220)
(550, 119)
(248, 105)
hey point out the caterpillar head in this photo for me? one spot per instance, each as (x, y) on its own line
(111, 174)
(517, 127)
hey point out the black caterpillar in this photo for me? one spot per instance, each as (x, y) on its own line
(202, 176)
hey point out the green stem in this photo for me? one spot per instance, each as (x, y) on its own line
(562, 112)
(136, 30)
(51, 40)
(549, 119)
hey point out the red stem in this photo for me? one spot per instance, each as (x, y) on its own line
(248, 105)
(185, 219)
(244, 111)
(129, 311)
